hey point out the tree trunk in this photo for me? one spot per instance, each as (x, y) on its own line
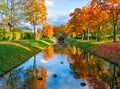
(88, 57)
(11, 23)
(114, 80)
(10, 37)
(34, 66)
(10, 29)
(88, 34)
(34, 32)
(98, 37)
(84, 38)
(114, 33)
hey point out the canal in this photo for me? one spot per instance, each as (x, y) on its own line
(63, 67)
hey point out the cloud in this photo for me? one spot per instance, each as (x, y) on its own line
(62, 19)
(59, 10)
(49, 3)
(72, 10)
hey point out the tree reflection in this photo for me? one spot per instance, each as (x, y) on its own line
(33, 77)
(36, 78)
(14, 79)
(114, 79)
(94, 71)
(4, 84)
(48, 53)
(38, 81)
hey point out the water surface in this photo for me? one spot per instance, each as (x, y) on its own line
(63, 67)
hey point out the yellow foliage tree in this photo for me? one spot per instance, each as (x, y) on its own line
(35, 12)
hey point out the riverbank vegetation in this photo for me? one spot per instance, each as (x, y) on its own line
(105, 49)
(14, 53)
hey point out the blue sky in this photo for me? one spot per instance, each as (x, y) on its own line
(58, 10)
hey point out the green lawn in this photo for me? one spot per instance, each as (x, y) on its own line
(85, 45)
(14, 53)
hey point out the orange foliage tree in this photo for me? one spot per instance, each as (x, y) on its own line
(74, 23)
(87, 19)
(48, 30)
(112, 7)
(56, 30)
(77, 22)
(64, 29)
(99, 19)
(82, 20)
(95, 16)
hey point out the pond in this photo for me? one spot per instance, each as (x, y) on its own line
(63, 67)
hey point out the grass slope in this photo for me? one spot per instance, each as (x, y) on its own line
(85, 45)
(14, 53)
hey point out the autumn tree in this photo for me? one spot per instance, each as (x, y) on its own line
(35, 13)
(56, 30)
(76, 22)
(82, 20)
(88, 20)
(112, 7)
(69, 30)
(64, 29)
(48, 30)
(100, 18)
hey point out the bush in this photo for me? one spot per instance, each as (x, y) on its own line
(110, 37)
(93, 37)
(5, 34)
(28, 35)
(16, 36)
(78, 37)
(38, 36)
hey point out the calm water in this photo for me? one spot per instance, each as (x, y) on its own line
(63, 67)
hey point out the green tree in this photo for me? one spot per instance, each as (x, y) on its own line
(10, 13)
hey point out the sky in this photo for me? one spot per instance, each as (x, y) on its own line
(59, 10)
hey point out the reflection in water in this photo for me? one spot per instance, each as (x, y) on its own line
(70, 68)
(38, 80)
(92, 70)
(48, 53)
(30, 78)
(114, 80)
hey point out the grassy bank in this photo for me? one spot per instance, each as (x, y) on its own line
(85, 45)
(14, 53)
